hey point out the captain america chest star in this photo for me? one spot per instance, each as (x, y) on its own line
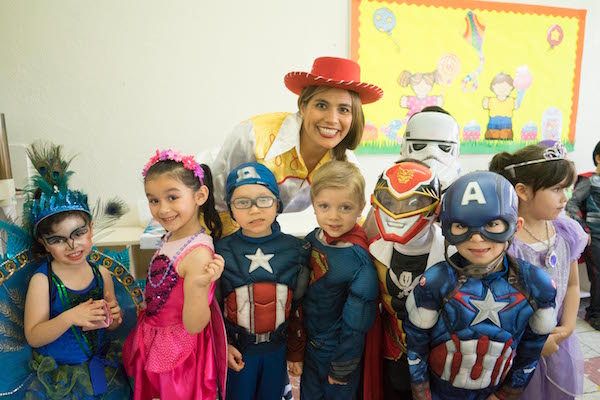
(258, 281)
(487, 307)
(264, 263)
(474, 340)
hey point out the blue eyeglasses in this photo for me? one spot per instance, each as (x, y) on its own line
(244, 203)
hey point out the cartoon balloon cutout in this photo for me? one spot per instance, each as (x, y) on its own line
(448, 68)
(384, 21)
(474, 35)
(555, 35)
(522, 82)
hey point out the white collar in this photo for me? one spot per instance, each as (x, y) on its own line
(382, 250)
(288, 136)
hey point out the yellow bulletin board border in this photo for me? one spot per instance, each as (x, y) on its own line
(379, 114)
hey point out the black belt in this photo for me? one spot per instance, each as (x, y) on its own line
(241, 338)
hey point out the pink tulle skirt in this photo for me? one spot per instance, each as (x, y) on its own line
(169, 363)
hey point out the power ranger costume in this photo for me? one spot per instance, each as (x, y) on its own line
(262, 284)
(474, 330)
(339, 309)
(403, 242)
(584, 207)
(432, 137)
(78, 364)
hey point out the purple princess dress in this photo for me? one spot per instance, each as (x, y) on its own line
(163, 358)
(559, 375)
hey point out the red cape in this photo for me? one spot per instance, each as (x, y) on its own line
(356, 236)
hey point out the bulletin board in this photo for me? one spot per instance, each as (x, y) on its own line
(508, 73)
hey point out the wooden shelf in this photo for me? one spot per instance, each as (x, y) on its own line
(120, 236)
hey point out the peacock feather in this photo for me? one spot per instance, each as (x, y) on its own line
(48, 192)
(105, 214)
(52, 166)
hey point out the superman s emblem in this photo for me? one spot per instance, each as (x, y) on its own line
(318, 265)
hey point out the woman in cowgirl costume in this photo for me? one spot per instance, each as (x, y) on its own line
(293, 146)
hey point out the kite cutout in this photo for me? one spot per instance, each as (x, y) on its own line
(474, 35)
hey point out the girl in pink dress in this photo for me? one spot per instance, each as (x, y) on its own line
(178, 348)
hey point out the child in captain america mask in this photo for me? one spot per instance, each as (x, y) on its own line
(263, 282)
(477, 322)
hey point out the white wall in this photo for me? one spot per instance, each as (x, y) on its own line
(113, 80)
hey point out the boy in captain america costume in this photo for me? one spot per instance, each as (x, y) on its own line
(264, 279)
(477, 322)
(339, 306)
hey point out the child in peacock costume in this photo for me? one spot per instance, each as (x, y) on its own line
(65, 308)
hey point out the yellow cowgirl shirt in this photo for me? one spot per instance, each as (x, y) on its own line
(273, 140)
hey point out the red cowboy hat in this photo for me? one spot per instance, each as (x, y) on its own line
(334, 72)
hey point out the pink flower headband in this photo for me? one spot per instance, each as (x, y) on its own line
(169, 154)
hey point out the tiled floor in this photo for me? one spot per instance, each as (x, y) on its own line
(590, 345)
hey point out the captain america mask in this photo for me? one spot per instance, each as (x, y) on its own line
(474, 201)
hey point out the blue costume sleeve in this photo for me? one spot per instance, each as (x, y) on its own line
(296, 341)
(358, 316)
(423, 307)
(417, 341)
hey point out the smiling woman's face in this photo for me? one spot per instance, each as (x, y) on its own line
(327, 118)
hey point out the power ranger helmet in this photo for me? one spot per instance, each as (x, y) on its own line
(405, 201)
(475, 199)
(433, 138)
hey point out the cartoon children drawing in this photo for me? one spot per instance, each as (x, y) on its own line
(422, 85)
(500, 108)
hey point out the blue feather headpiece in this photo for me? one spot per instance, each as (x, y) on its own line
(49, 193)
(46, 206)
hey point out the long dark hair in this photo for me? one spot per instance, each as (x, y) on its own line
(539, 175)
(207, 211)
(355, 132)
